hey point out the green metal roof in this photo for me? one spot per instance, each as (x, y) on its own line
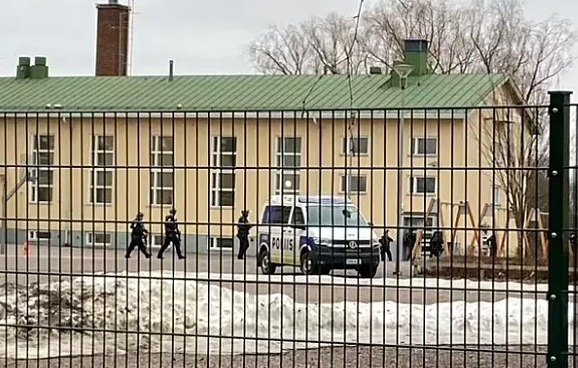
(243, 92)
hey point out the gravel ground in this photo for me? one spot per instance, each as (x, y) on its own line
(337, 357)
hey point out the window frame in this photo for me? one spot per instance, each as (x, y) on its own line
(413, 185)
(158, 170)
(37, 168)
(214, 241)
(496, 196)
(415, 146)
(345, 179)
(101, 168)
(345, 145)
(90, 235)
(280, 172)
(216, 160)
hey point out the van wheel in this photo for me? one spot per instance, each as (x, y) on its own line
(308, 266)
(267, 268)
(367, 271)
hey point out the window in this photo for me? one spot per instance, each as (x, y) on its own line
(422, 185)
(42, 159)
(39, 235)
(156, 241)
(354, 146)
(357, 184)
(221, 243)
(162, 175)
(223, 173)
(334, 216)
(276, 215)
(424, 146)
(288, 163)
(496, 199)
(101, 176)
(298, 218)
(98, 238)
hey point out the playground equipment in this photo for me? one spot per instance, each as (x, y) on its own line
(463, 209)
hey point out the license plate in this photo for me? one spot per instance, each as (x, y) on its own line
(352, 261)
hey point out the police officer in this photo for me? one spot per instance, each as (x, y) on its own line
(243, 228)
(385, 248)
(436, 244)
(172, 235)
(573, 243)
(138, 236)
(408, 242)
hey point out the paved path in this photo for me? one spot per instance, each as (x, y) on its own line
(44, 264)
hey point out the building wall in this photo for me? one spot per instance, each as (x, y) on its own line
(322, 165)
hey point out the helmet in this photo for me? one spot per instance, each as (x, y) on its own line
(139, 215)
(173, 211)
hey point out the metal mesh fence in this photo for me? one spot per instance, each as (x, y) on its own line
(309, 238)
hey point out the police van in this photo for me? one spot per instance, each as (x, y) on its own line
(316, 234)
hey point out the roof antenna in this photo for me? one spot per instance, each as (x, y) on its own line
(171, 70)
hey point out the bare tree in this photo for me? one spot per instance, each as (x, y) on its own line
(283, 51)
(490, 36)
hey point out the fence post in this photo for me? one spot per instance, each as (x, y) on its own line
(559, 199)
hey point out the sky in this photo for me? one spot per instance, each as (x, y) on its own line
(203, 37)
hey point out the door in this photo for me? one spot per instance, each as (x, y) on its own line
(276, 223)
(297, 221)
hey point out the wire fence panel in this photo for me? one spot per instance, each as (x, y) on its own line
(335, 238)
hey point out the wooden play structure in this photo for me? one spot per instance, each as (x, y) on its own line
(463, 210)
(536, 220)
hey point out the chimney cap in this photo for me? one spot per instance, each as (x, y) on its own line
(417, 44)
(374, 70)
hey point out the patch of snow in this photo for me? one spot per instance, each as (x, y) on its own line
(225, 321)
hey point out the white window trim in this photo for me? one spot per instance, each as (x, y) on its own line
(35, 171)
(94, 186)
(414, 179)
(214, 241)
(153, 244)
(346, 142)
(498, 198)
(215, 183)
(279, 172)
(347, 183)
(415, 146)
(88, 238)
(156, 170)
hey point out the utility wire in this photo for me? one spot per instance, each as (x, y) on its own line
(347, 59)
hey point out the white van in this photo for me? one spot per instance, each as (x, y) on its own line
(318, 234)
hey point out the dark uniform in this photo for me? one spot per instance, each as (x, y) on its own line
(172, 235)
(408, 242)
(436, 244)
(243, 228)
(573, 243)
(385, 248)
(138, 237)
(493, 245)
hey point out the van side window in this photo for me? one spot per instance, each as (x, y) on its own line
(276, 215)
(298, 218)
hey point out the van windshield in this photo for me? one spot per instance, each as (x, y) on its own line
(334, 216)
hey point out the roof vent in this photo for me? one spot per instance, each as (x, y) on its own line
(23, 70)
(374, 70)
(39, 70)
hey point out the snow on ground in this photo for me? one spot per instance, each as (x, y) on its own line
(90, 304)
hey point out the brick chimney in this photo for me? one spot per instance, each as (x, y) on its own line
(112, 39)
